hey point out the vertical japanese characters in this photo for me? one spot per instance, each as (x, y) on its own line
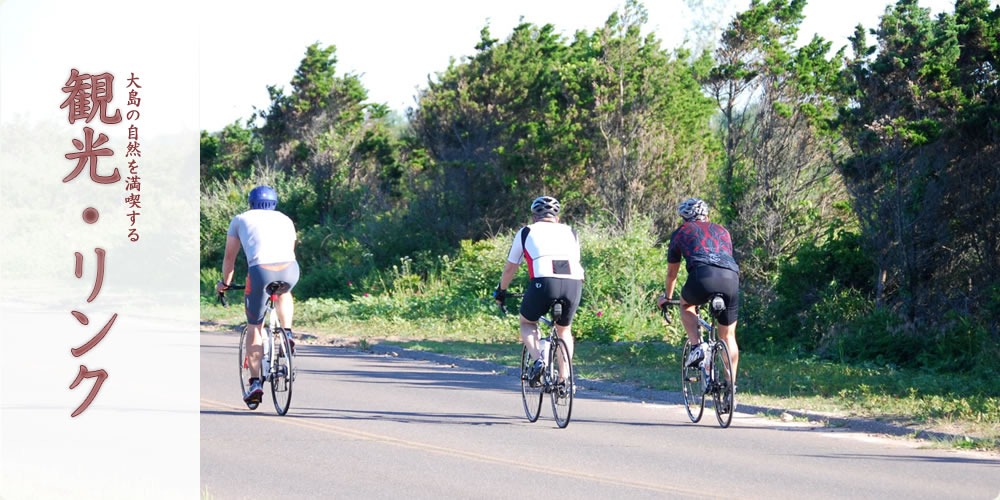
(132, 181)
(90, 96)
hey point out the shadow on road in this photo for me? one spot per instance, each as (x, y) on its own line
(385, 416)
(911, 458)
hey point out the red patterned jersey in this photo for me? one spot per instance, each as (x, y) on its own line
(702, 243)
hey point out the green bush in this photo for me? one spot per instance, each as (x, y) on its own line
(821, 288)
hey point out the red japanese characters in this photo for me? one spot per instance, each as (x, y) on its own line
(91, 96)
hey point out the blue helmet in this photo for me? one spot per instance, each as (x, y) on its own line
(263, 197)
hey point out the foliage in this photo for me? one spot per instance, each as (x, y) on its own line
(778, 180)
(606, 122)
(924, 129)
(860, 190)
(649, 121)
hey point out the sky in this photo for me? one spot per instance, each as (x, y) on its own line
(396, 45)
(244, 46)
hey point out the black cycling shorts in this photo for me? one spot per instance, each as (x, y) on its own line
(705, 280)
(258, 277)
(543, 292)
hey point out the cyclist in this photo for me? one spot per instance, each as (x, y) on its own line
(552, 252)
(268, 240)
(708, 251)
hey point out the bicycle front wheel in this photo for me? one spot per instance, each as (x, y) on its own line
(245, 369)
(530, 395)
(723, 393)
(562, 383)
(281, 372)
(692, 386)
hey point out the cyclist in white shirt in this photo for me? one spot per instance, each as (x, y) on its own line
(268, 240)
(552, 252)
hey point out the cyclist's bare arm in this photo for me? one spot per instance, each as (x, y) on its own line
(509, 270)
(672, 269)
(229, 261)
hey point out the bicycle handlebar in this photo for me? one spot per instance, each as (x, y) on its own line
(503, 304)
(222, 294)
(663, 308)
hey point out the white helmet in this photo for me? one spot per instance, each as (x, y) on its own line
(545, 206)
(693, 209)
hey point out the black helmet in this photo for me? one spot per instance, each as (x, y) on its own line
(545, 206)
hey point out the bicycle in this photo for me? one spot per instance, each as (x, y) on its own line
(275, 366)
(533, 391)
(707, 378)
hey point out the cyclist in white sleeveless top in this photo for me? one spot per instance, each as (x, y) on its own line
(268, 240)
(552, 252)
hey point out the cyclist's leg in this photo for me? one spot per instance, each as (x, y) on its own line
(567, 336)
(692, 295)
(727, 333)
(529, 337)
(689, 318)
(727, 282)
(285, 309)
(534, 304)
(255, 305)
(570, 291)
(285, 306)
(255, 349)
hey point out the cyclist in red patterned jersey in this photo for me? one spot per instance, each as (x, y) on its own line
(708, 251)
(552, 253)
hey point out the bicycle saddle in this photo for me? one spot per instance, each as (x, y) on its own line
(557, 310)
(718, 304)
(277, 287)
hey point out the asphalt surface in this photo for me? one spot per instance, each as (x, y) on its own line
(377, 426)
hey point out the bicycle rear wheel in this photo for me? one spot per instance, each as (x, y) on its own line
(281, 372)
(531, 396)
(692, 386)
(724, 397)
(245, 368)
(562, 383)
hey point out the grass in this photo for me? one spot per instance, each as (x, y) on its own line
(957, 403)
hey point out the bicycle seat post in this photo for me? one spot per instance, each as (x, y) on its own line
(556, 314)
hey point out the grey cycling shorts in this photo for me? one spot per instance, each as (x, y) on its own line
(258, 278)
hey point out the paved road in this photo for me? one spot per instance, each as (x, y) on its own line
(372, 426)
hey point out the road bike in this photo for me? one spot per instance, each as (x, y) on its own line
(714, 374)
(556, 379)
(276, 365)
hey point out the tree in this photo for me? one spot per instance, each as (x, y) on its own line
(924, 127)
(501, 126)
(779, 179)
(651, 123)
(324, 129)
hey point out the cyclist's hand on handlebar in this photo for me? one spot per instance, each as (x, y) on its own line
(661, 302)
(499, 295)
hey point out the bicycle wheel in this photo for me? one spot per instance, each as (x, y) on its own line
(531, 396)
(724, 398)
(281, 372)
(562, 384)
(692, 386)
(245, 369)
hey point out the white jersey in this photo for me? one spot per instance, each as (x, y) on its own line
(551, 249)
(267, 236)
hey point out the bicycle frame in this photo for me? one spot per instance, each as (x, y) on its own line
(276, 365)
(720, 390)
(557, 377)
